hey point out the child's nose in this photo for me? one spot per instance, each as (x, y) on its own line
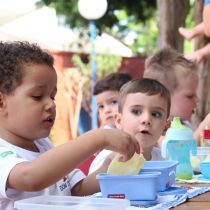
(50, 105)
(107, 109)
(146, 119)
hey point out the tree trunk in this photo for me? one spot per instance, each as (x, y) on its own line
(172, 15)
(203, 72)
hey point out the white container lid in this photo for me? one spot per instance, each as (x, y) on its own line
(203, 151)
(71, 203)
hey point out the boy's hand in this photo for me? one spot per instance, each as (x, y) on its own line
(121, 142)
(104, 167)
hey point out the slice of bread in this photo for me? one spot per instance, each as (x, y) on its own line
(130, 167)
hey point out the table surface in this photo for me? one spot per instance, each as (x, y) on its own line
(201, 202)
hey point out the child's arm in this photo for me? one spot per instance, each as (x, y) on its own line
(206, 18)
(190, 33)
(51, 166)
(90, 185)
(200, 54)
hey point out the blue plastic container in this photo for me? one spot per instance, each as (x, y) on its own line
(167, 169)
(132, 187)
(205, 169)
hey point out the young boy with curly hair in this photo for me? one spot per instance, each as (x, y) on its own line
(30, 166)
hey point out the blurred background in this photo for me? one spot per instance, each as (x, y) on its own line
(125, 36)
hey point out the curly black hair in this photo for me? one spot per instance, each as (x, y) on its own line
(13, 57)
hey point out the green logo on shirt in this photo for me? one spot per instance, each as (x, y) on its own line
(5, 154)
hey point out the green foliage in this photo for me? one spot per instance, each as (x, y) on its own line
(189, 23)
(122, 18)
(133, 22)
(147, 40)
(84, 68)
(140, 10)
(106, 64)
(144, 33)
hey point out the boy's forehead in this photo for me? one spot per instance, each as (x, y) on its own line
(146, 99)
(107, 94)
(143, 95)
(188, 82)
(39, 73)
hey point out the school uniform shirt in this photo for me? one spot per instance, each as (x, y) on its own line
(11, 155)
(99, 159)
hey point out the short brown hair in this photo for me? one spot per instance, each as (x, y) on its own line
(147, 86)
(167, 66)
(113, 81)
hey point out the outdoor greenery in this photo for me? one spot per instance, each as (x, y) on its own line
(133, 24)
(138, 11)
(106, 64)
(189, 22)
(137, 24)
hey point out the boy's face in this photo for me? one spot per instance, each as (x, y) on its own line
(107, 105)
(144, 117)
(183, 98)
(30, 109)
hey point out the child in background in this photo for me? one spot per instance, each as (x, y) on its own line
(144, 107)
(106, 91)
(30, 166)
(179, 76)
(201, 29)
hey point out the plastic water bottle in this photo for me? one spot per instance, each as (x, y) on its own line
(177, 145)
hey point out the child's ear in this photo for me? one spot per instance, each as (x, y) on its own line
(167, 125)
(2, 103)
(118, 120)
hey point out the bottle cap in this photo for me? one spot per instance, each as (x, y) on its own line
(178, 133)
(176, 123)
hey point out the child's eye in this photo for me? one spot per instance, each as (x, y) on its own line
(190, 96)
(136, 111)
(156, 114)
(100, 106)
(37, 98)
(114, 102)
(52, 97)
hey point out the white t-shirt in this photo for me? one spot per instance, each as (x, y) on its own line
(99, 159)
(11, 155)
